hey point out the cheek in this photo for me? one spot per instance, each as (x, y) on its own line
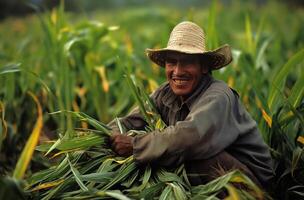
(168, 73)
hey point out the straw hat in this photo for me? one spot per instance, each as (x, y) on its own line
(187, 37)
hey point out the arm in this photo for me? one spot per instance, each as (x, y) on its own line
(208, 129)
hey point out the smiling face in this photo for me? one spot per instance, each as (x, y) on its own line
(184, 72)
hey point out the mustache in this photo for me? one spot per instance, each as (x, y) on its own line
(182, 76)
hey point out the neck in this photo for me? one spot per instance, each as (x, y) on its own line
(184, 98)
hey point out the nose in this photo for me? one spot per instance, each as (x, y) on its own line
(178, 68)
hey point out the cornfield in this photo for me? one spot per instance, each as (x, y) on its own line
(65, 76)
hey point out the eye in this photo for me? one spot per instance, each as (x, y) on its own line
(187, 61)
(171, 61)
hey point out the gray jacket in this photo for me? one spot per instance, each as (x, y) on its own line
(211, 120)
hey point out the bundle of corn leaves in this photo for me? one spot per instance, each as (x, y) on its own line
(89, 169)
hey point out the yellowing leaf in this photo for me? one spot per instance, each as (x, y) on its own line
(47, 185)
(300, 139)
(233, 195)
(230, 81)
(130, 158)
(54, 16)
(3, 125)
(63, 152)
(258, 102)
(102, 73)
(246, 100)
(237, 179)
(155, 68)
(31, 143)
(150, 113)
(81, 91)
(65, 29)
(125, 160)
(129, 44)
(76, 108)
(267, 118)
(152, 85)
(159, 124)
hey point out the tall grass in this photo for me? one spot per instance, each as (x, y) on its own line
(76, 65)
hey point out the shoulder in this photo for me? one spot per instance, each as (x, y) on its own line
(220, 88)
(219, 91)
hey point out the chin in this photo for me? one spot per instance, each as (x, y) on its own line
(181, 93)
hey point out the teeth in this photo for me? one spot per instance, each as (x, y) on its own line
(180, 81)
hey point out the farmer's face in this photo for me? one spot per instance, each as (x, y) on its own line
(184, 72)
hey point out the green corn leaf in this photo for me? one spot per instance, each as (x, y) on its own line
(218, 184)
(297, 155)
(98, 177)
(205, 197)
(116, 194)
(260, 60)
(11, 189)
(152, 191)
(56, 192)
(167, 193)
(212, 41)
(165, 176)
(38, 176)
(178, 191)
(84, 117)
(125, 171)
(136, 95)
(16, 67)
(121, 129)
(128, 183)
(76, 143)
(249, 36)
(297, 91)
(279, 78)
(259, 31)
(10, 68)
(77, 176)
(145, 180)
(147, 175)
(52, 147)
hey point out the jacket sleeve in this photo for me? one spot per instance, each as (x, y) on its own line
(208, 129)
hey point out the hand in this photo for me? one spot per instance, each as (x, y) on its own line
(122, 144)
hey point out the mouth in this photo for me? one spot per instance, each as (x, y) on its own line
(181, 81)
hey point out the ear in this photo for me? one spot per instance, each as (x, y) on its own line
(205, 69)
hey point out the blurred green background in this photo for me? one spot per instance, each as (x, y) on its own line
(72, 55)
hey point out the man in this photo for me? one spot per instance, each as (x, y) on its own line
(208, 128)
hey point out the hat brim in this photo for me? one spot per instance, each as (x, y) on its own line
(214, 59)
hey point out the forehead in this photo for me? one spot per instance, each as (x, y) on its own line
(174, 54)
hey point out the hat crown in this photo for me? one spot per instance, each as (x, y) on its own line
(187, 35)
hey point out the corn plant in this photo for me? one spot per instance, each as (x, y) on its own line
(72, 63)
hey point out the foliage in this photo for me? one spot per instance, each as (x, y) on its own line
(91, 170)
(75, 64)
